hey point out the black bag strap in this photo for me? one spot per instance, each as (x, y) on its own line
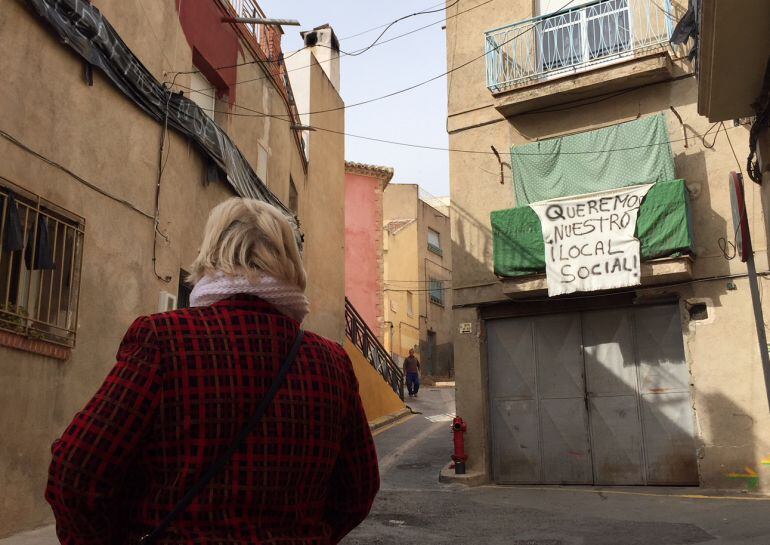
(234, 446)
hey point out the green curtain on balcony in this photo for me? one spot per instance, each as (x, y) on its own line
(630, 153)
(664, 229)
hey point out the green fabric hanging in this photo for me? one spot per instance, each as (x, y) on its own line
(663, 228)
(559, 167)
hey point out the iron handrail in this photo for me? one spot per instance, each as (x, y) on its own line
(360, 335)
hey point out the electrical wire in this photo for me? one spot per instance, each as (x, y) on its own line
(344, 53)
(714, 141)
(367, 31)
(429, 80)
(396, 37)
(735, 155)
(162, 162)
(434, 78)
(258, 114)
(367, 48)
(73, 175)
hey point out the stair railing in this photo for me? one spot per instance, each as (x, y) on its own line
(366, 341)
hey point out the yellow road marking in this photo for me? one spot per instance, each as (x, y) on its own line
(627, 493)
(393, 425)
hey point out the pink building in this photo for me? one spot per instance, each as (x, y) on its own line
(364, 185)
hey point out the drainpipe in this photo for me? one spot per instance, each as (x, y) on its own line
(390, 336)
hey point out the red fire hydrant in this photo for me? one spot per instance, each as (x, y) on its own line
(459, 457)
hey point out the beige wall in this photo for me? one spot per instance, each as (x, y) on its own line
(322, 207)
(402, 329)
(409, 266)
(103, 137)
(731, 409)
(435, 318)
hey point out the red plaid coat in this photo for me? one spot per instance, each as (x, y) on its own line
(184, 384)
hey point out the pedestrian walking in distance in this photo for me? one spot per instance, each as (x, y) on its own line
(198, 436)
(412, 371)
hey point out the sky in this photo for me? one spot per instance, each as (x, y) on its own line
(417, 116)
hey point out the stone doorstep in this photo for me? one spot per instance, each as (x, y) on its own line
(448, 476)
(383, 421)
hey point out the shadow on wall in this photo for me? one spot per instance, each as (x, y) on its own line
(634, 432)
(730, 463)
(441, 364)
(473, 239)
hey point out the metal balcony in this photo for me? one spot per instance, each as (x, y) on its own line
(249, 8)
(575, 40)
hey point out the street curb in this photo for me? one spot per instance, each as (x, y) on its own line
(448, 476)
(383, 421)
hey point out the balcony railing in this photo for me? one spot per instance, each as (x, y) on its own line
(249, 8)
(363, 337)
(575, 40)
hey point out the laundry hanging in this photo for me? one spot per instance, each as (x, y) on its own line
(13, 229)
(631, 153)
(42, 247)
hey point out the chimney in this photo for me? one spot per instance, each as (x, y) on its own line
(326, 47)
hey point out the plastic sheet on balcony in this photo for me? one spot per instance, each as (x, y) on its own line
(636, 152)
(664, 229)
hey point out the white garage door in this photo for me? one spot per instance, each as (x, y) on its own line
(597, 397)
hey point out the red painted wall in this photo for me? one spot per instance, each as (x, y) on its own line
(363, 247)
(215, 44)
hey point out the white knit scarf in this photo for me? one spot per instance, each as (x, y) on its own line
(288, 299)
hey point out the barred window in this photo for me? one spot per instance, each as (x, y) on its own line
(436, 292)
(41, 246)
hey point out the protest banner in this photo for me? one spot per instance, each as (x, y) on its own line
(589, 240)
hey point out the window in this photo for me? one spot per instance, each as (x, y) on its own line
(293, 197)
(585, 34)
(41, 247)
(262, 163)
(436, 292)
(434, 242)
(409, 303)
(203, 93)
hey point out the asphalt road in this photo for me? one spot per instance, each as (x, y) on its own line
(414, 508)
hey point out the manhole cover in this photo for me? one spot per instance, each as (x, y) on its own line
(417, 465)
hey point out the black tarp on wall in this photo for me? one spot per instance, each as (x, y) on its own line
(81, 26)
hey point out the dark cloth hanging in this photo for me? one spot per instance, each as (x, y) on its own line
(13, 229)
(43, 254)
(687, 28)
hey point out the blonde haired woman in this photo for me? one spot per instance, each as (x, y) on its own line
(224, 422)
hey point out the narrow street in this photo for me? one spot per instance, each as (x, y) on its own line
(414, 508)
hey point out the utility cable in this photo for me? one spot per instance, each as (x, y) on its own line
(73, 175)
(432, 79)
(396, 37)
(259, 114)
(368, 30)
(353, 54)
(367, 48)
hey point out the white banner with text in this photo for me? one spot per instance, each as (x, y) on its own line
(589, 240)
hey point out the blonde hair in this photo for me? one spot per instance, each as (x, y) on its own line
(249, 237)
